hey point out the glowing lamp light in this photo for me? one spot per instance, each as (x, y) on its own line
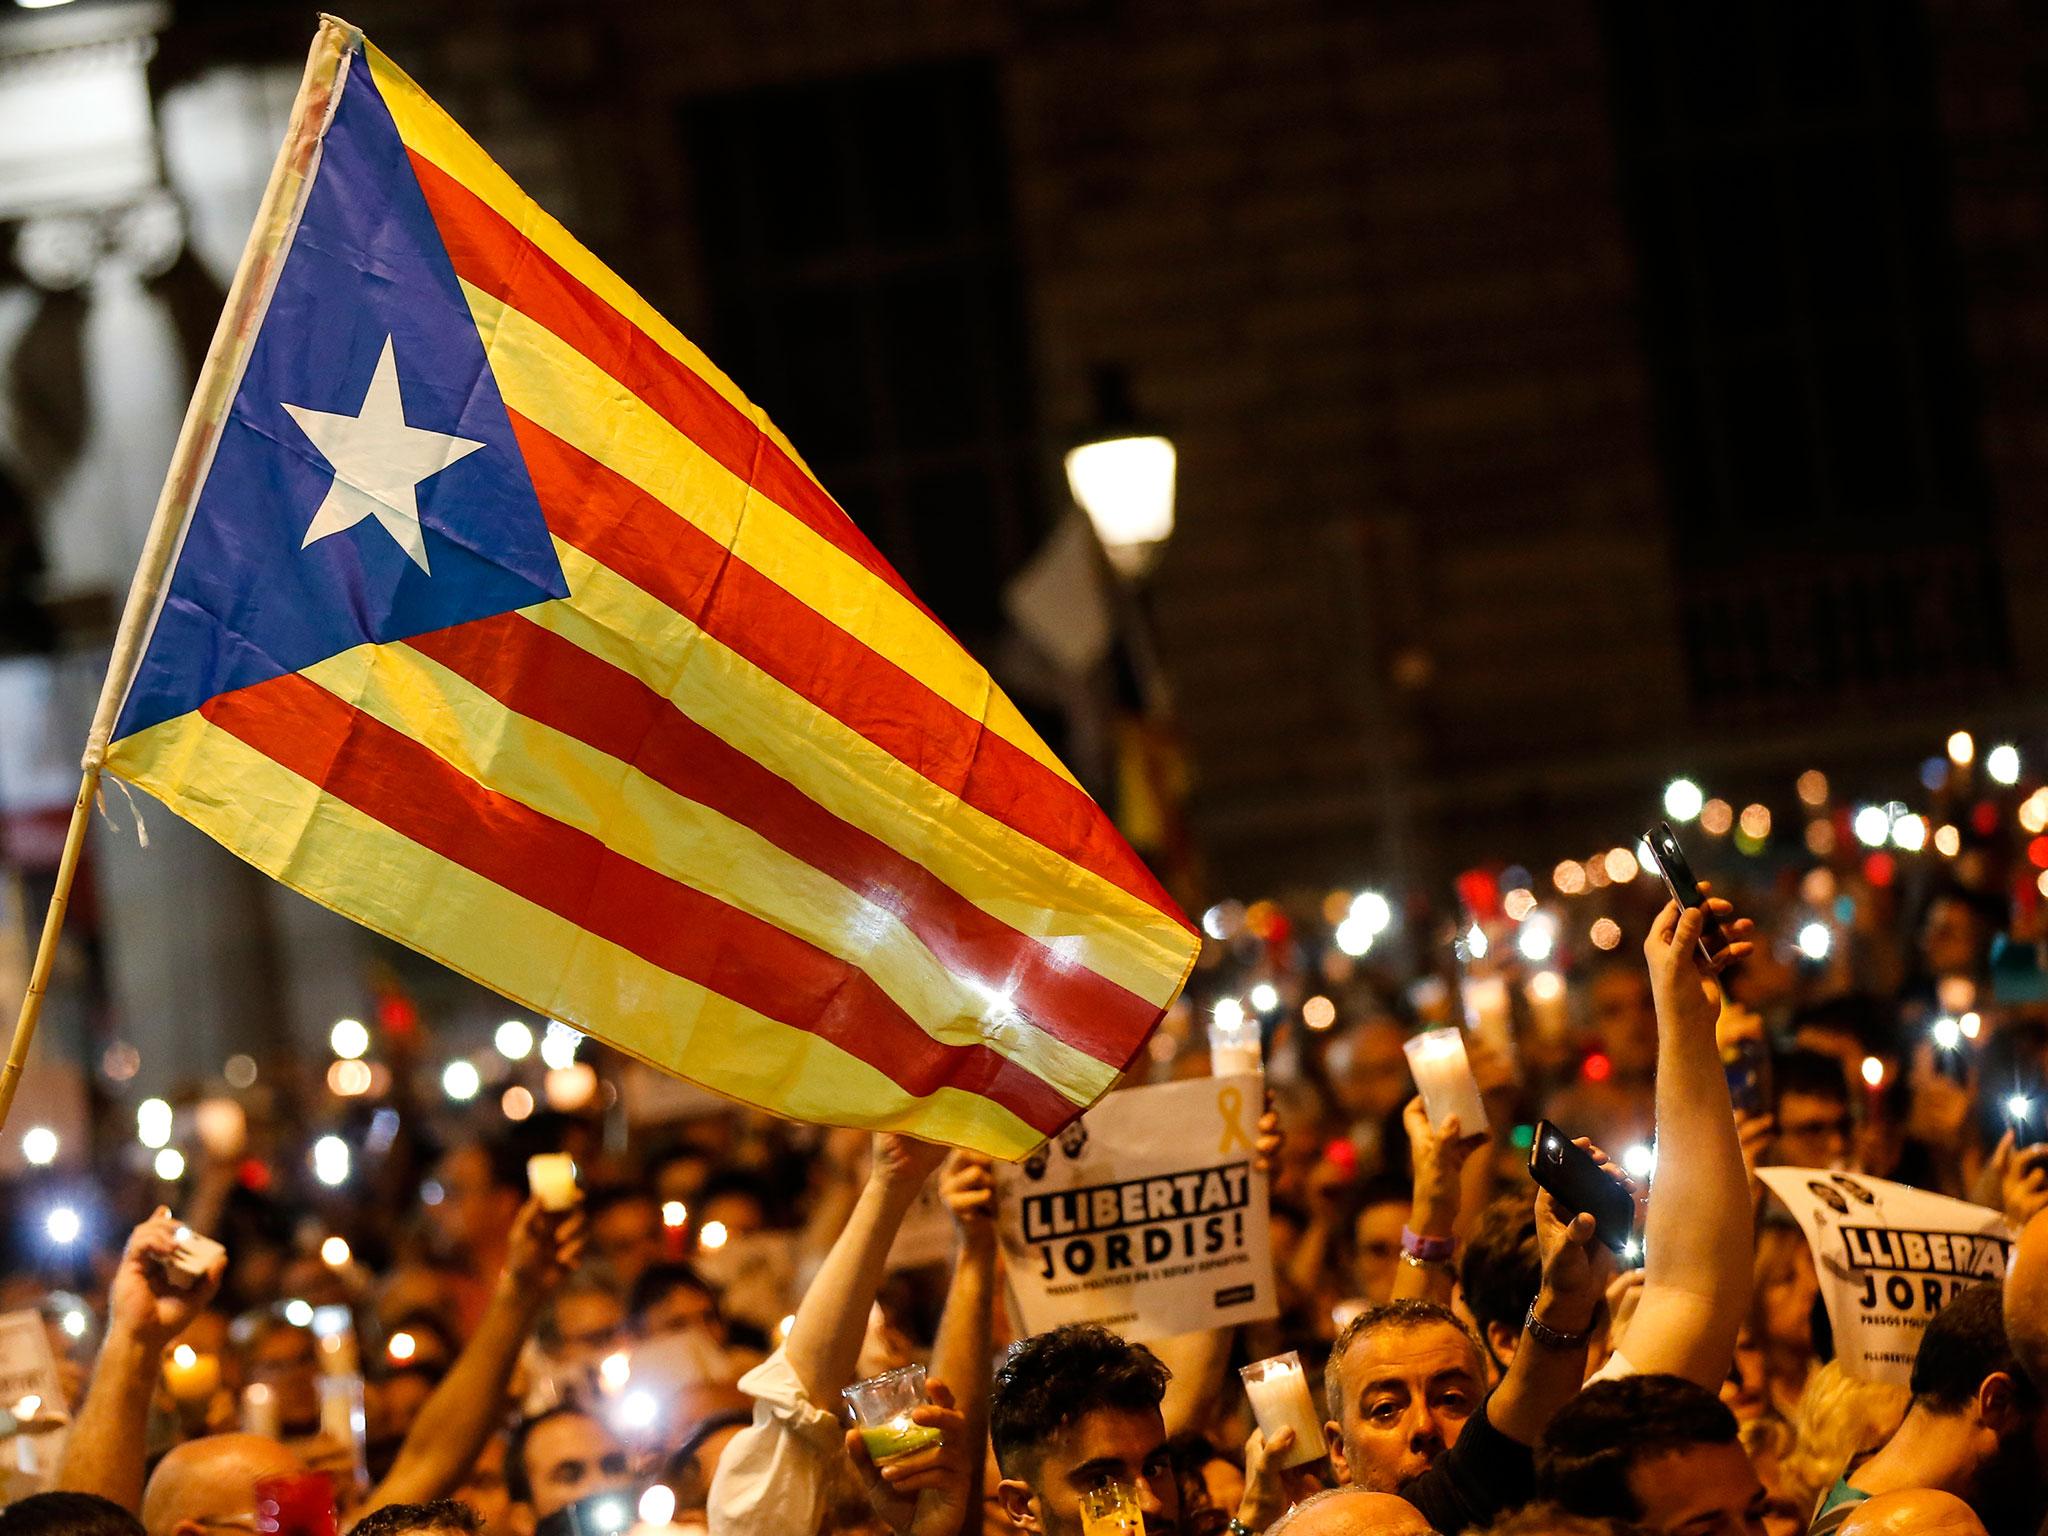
(334, 1252)
(1569, 877)
(1539, 935)
(1621, 865)
(1683, 800)
(1947, 1032)
(74, 1324)
(63, 1225)
(1873, 826)
(1353, 937)
(558, 1046)
(516, 1102)
(613, 1372)
(2019, 1106)
(1546, 987)
(1475, 942)
(299, 1312)
(570, 1088)
(1873, 1071)
(153, 1123)
(1265, 997)
(1948, 842)
(1755, 821)
(349, 1079)
(330, 1161)
(1971, 1025)
(39, 1146)
(1125, 484)
(658, 1505)
(1605, 933)
(1815, 940)
(403, 1347)
(349, 1039)
(1228, 1013)
(714, 1236)
(1716, 817)
(1910, 833)
(1319, 1012)
(1962, 749)
(1518, 904)
(1372, 911)
(638, 1410)
(1598, 1068)
(2002, 762)
(460, 1080)
(239, 1070)
(170, 1165)
(674, 1213)
(1813, 788)
(1639, 1161)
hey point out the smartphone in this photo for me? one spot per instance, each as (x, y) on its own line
(1747, 1063)
(597, 1514)
(1579, 1184)
(1684, 888)
(2026, 1116)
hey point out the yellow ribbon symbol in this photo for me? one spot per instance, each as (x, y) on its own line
(1230, 1104)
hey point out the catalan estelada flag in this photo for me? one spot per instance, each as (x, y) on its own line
(484, 610)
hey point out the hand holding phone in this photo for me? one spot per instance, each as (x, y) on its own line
(1684, 887)
(1580, 1185)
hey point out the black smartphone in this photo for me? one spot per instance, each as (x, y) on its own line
(2026, 1117)
(597, 1514)
(1747, 1062)
(1684, 888)
(1579, 1184)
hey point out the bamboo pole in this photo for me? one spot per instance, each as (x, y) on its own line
(220, 376)
(46, 949)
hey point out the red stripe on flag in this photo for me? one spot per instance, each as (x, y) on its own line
(493, 256)
(393, 779)
(552, 680)
(634, 535)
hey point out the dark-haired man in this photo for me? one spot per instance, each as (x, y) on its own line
(1974, 1429)
(1499, 1274)
(1075, 1409)
(1656, 1450)
(67, 1514)
(438, 1517)
(558, 1457)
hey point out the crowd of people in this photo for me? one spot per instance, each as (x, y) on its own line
(444, 1349)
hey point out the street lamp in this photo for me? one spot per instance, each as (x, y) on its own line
(1122, 476)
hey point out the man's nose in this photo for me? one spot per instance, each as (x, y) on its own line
(1425, 1432)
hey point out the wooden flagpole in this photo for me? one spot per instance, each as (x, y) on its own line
(220, 376)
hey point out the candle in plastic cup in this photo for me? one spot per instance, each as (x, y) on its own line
(1444, 1078)
(552, 1177)
(191, 1376)
(1281, 1400)
(1234, 1048)
(1112, 1510)
(881, 1412)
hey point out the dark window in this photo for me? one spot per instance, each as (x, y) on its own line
(864, 287)
(1782, 172)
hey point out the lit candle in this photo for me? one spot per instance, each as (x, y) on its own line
(1444, 1078)
(191, 1376)
(259, 1411)
(1233, 1042)
(1281, 1400)
(552, 1177)
(1489, 1014)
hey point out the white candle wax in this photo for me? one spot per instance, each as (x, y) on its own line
(1444, 1078)
(1281, 1400)
(552, 1177)
(1234, 1049)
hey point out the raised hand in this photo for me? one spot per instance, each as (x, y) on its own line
(1683, 982)
(1439, 1155)
(545, 1246)
(903, 1163)
(967, 1185)
(142, 1301)
(925, 1493)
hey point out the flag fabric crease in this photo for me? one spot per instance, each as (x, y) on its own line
(497, 619)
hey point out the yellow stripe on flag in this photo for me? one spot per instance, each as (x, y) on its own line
(556, 387)
(1085, 919)
(634, 816)
(431, 132)
(346, 860)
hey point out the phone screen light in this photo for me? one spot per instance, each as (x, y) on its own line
(1947, 1032)
(2019, 1106)
(63, 1224)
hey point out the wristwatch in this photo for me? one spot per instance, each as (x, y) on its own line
(1549, 1337)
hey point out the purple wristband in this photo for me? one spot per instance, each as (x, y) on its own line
(1430, 1250)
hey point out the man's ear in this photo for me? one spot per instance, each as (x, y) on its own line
(1018, 1504)
(1997, 1402)
(1333, 1437)
(1502, 1340)
(188, 1528)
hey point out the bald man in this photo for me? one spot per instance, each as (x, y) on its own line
(208, 1485)
(1915, 1512)
(1351, 1512)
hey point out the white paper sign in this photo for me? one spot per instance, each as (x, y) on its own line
(1145, 1216)
(1889, 1257)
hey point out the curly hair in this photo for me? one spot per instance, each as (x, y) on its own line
(1840, 1417)
(1050, 1380)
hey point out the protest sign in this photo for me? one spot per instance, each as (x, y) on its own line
(1889, 1257)
(29, 1388)
(1145, 1215)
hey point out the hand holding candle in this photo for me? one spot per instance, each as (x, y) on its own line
(1444, 1077)
(1278, 1388)
(1233, 1041)
(552, 1177)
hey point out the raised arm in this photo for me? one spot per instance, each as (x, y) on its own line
(962, 1356)
(144, 1313)
(1697, 1251)
(454, 1424)
(1550, 1364)
(1439, 1155)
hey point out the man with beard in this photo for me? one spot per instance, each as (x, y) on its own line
(1975, 1428)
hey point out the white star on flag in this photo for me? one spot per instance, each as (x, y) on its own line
(378, 462)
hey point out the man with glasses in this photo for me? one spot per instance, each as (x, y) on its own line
(1810, 1096)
